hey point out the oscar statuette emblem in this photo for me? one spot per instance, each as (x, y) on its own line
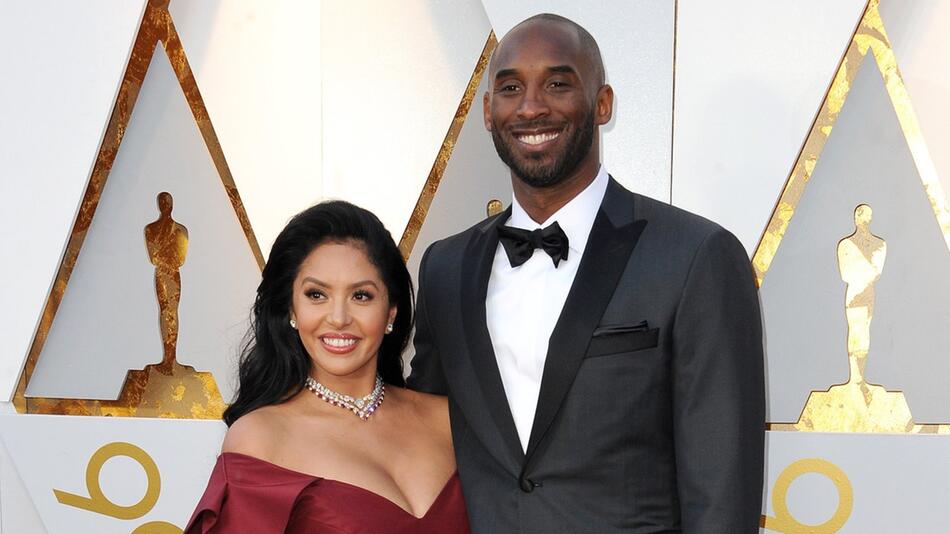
(857, 405)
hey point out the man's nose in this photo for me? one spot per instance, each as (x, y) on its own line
(532, 105)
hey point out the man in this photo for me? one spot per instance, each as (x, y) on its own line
(601, 351)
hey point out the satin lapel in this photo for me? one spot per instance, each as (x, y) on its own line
(475, 274)
(612, 240)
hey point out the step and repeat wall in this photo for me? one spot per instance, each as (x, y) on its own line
(150, 151)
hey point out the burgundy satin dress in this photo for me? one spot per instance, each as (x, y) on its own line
(249, 495)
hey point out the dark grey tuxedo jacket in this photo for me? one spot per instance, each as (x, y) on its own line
(651, 411)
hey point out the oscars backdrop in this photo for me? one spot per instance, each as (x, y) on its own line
(150, 151)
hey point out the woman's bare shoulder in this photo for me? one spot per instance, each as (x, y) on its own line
(287, 435)
(256, 433)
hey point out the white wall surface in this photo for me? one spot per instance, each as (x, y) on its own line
(918, 35)
(393, 76)
(61, 66)
(258, 67)
(750, 77)
(17, 513)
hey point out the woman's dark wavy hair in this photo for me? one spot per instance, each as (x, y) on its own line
(274, 362)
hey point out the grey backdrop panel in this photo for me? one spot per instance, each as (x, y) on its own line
(866, 160)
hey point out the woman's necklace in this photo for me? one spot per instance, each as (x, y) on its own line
(363, 407)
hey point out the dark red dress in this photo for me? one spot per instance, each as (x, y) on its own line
(246, 494)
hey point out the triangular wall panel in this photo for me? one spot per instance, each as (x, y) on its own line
(107, 322)
(67, 60)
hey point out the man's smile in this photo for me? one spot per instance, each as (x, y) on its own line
(536, 138)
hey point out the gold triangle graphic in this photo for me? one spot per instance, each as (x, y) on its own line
(863, 407)
(166, 389)
(421, 209)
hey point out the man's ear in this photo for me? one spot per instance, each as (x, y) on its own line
(604, 105)
(486, 110)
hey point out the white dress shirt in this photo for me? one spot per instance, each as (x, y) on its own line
(523, 303)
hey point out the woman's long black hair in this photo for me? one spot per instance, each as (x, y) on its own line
(274, 363)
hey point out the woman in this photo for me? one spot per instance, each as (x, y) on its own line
(323, 437)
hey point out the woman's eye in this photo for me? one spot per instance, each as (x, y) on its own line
(313, 294)
(363, 295)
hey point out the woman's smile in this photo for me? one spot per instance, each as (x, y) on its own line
(339, 343)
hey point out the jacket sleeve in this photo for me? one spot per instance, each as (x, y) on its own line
(719, 392)
(427, 374)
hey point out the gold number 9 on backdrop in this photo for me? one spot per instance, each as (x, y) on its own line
(97, 501)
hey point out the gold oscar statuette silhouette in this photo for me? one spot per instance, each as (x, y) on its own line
(856, 405)
(169, 388)
(165, 389)
(494, 207)
(167, 243)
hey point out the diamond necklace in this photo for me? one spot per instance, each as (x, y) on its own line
(363, 407)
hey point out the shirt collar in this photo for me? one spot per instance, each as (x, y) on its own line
(576, 217)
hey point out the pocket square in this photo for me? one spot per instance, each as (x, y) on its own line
(616, 338)
(621, 328)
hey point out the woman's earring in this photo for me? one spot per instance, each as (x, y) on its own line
(389, 328)
(293, 324)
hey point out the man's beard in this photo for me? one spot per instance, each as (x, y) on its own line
(536, 174)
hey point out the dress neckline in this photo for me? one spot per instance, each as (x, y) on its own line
(352, 487)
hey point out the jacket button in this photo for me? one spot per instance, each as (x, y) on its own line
(527, 485)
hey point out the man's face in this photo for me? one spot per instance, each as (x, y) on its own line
(541, 107)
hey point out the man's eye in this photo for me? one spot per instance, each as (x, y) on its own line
(508, 88)
(559, 85)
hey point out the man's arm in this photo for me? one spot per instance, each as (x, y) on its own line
(719, 392)
(427, 375)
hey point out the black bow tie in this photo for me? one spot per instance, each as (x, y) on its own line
(520, 244)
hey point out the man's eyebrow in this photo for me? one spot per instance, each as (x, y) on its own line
(566, 69)
(504, 73)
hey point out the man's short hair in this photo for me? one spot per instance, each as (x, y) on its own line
(588, 44)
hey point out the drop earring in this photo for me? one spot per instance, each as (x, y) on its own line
(389, 328)
(293, 324)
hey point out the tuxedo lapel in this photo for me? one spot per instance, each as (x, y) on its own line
(476, 271)
(612, 239)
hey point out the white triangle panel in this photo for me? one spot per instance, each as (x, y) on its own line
(108, 321)
(865, 161)
(61, 69)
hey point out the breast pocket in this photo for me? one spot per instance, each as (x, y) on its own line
(617, 339)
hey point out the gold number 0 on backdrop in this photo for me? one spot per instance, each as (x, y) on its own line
(785, 522)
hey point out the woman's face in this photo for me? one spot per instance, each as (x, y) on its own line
(341, 307)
